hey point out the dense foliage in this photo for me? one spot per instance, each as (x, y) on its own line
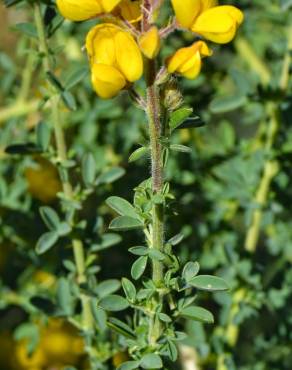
(228, 205)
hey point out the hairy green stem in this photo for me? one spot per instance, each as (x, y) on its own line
(78, 249)
(155, 132)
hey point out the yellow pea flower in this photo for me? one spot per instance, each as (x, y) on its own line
(188, 61)
(215, 23)
(43, 180)
(80, 10)
(149, 43)
(130, 10)
(115, 59)
(107, 80)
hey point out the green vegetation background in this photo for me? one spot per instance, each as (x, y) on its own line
(242, 153)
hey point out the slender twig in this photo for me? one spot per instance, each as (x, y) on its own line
(155, 130)
(78, 249)
(271, 167)
(18, 109)
(27, 77)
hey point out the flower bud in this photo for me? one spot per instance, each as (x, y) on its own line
(173, 98)
(130, 10)
(188, 61)
(149, 43)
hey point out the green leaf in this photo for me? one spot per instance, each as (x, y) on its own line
(190, 270)
(151, 361)
(107, 287)
(55, 81)
(178, 117)
(180, 148)
(121, 328)
(108, 240)
(139, 153)
(192, 122)
(43, 133)
(124, 223)
(70, 266)
(227, 103)
(69, 100)
(99, 315)
(50, 217)
(139, 251)
(176, 239)
(88, 169)
(163, 317)
(171, 351)
(23, 149)
(113, 303)
(111, 176)
(209, 283)
(129, 289)
(198, 314)
(64, 229)
(76, 76)
(155, 254)
(139, 267)
(129, 365)
(27, 28)
(64, 297)
(122, 207)
(46, 242)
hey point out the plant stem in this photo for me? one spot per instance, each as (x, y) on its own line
(271, 167)
(18, 109)
(78, 249)
(155, 133)
(270, 170)
(246, 51)
(155, 130)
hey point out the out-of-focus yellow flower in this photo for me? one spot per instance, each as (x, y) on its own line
(44, 279)
(215, 23)
(149, 43)
(188, 61)
(115, 59)
(25, 361)
(43, 180)
(80, 10)
(60, 344)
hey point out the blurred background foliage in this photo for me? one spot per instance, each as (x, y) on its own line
(233, 192)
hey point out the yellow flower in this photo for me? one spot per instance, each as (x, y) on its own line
(216, 23)
(80, 10)
(43, 180)
(115, 59)
(130, 10)
(188, 61)
(149, 43)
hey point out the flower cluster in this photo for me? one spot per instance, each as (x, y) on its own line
(116, 46)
